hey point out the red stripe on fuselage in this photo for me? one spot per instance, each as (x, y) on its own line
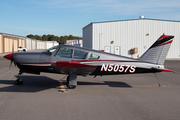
(36, 64)
(72, 64)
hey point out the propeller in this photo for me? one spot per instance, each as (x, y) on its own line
(10, 63)
(13, 54)
(12, 60)
(10, 56)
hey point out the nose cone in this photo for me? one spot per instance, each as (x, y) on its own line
(9, 56)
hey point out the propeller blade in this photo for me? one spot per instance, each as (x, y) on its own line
(15, 63)
(10, 63)
(12, 46)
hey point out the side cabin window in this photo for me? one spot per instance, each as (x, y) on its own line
(80, 54)
(94, 57)
(64, 52)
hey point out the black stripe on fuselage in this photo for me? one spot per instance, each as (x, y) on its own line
(36, 68)
(137, 70)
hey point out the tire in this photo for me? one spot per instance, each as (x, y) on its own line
(67, 84)
(18, 82)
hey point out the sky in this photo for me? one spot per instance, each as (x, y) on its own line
(68, 17)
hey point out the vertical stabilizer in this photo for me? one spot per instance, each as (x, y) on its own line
(158, 51)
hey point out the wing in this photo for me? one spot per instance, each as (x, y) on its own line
(72, 64)
(82, 68)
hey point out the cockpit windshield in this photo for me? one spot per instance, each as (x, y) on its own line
(50, 50)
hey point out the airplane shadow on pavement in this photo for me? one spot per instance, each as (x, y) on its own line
(40, 83)
(31, 84)
(109, 83)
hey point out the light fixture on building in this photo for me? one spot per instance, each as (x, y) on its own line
(112, 42)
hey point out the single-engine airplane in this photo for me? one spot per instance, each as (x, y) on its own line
(73, 61)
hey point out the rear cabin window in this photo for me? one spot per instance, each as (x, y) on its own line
(94, 57)
(64, 52)
(80, 54)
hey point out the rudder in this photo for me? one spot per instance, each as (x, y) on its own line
(158, 51)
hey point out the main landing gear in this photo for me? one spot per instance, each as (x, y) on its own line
(19, 81)
(72, 79)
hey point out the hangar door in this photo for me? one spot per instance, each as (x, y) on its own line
(21, 43)
(1, 43)
(107, 49)
(7, 45)
(117, 50)
(15, 45)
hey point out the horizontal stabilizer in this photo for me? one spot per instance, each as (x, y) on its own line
(72, 64)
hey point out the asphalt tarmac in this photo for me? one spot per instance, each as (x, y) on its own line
(118, 97)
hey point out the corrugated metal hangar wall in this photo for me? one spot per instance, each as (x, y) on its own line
(119, 37)
(7, 41)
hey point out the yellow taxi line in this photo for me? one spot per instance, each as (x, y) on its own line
(62, 86)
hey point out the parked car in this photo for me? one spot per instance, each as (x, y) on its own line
(22, 49)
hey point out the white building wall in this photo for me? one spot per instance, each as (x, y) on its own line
(49, 45)
(140, 33)
(33, 44)
(38, 44)
(87, 35)
(56, 43)
(77, 42)
(28, 43)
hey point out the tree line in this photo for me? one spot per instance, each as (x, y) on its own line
(60, 40)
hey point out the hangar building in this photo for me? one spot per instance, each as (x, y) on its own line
(120, 37)
(9, 41)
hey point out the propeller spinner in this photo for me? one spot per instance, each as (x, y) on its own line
(9, 57)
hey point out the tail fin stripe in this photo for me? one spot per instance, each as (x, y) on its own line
(166, 43)
(158, 51)
(161, 41)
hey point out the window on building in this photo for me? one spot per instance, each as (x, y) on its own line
(80, 54)
(64, 52)
(94, 57)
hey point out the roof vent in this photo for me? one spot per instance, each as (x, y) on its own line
(141, 17)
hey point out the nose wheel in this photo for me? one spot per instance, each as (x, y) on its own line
(19, 81)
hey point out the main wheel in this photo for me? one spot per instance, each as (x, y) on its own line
(19, 82)
(67, 84)
(72, 87)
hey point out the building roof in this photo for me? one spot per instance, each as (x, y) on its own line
(10, 35)
(132, 20)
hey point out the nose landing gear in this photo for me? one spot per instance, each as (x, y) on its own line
(19, 81)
